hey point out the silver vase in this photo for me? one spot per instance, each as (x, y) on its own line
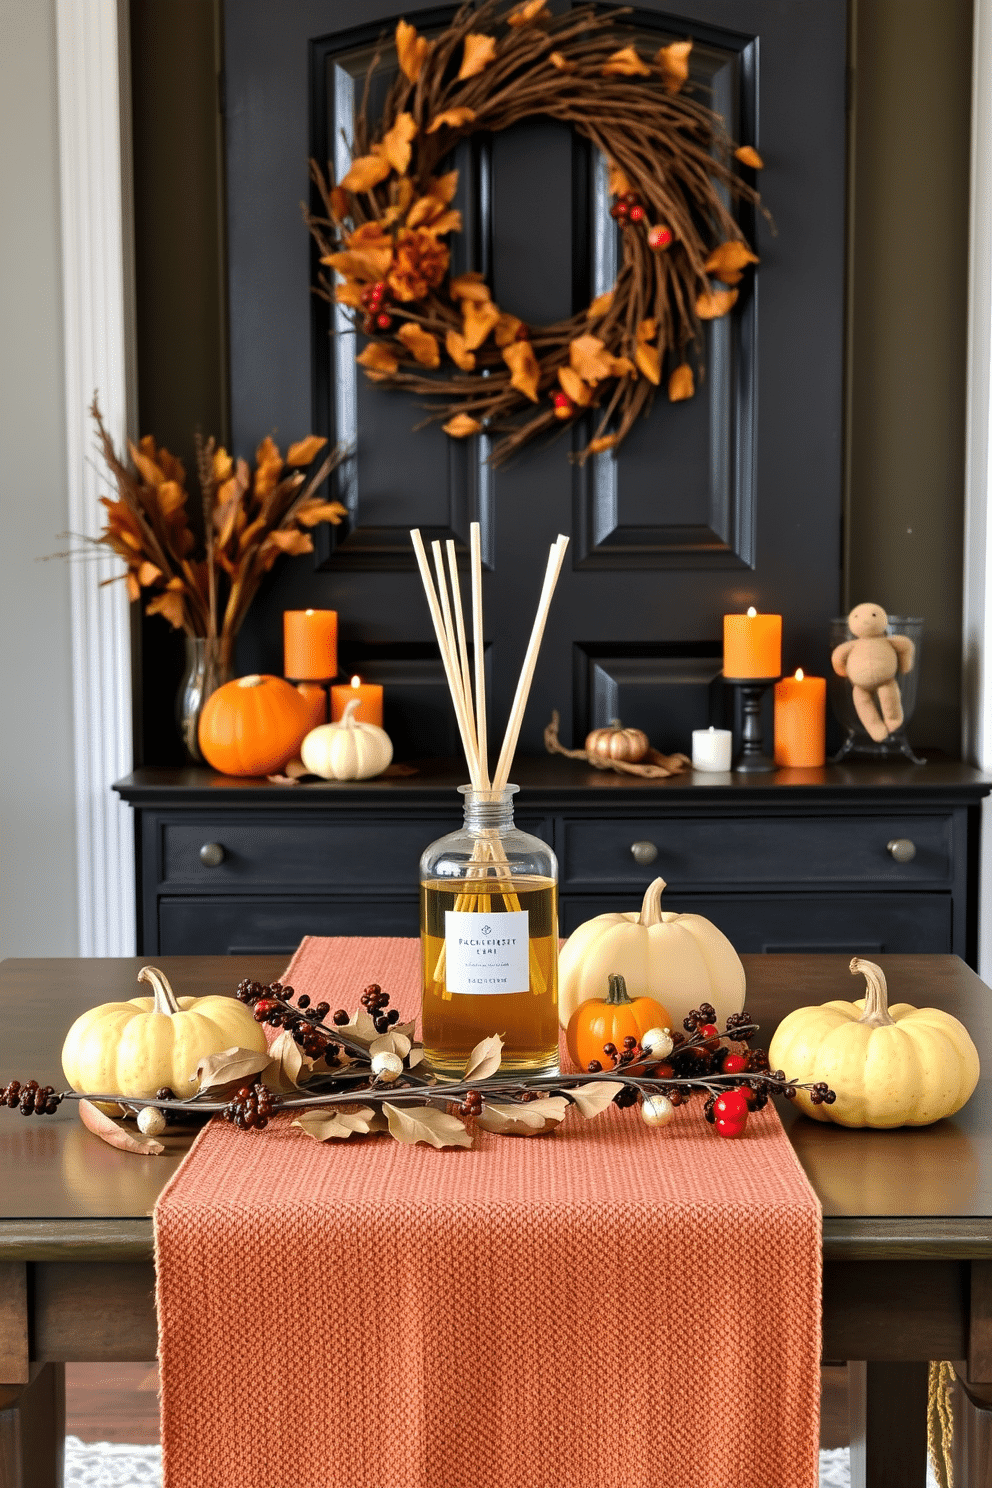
(205, 672)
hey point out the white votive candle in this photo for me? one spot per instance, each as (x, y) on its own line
(711, 749)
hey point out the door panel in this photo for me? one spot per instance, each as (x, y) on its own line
(729, 499)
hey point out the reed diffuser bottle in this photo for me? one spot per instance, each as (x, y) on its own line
(489, 938)
(488, 893)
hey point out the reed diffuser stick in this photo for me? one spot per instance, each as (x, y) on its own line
(447, 660)
(479, 650)
(456, 604)
(555, 560)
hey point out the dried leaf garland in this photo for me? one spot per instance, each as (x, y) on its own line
(530, 1119)
(377, 358)
(426, 1124)
(594, 1098)
(217, 1070)
(114, 1134)
(485, 1058)
(581, 68)
(340, 1124)
(712, 305)
(421, 344)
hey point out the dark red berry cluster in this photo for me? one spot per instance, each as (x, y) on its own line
(376, 1002)
(251, 1107)
(272, 1005)
(377, 317)
(628, 208)
(31, 1098)
(820, 1094)
(167, 1093)
(471, 1104)
(740, 1027)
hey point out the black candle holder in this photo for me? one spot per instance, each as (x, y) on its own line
(752, 759)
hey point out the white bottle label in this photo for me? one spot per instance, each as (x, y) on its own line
(486, 953)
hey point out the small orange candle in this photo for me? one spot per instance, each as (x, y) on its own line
(316, 700)
(752, 645)
(801, 721)
(369, 698)
(310, 645)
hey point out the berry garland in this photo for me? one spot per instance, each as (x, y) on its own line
(372, 1059)
(672, 168)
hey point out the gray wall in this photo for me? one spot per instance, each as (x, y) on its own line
(37, 811)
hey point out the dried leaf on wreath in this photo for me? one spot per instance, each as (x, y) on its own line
(114, 1135)
(365, 172)
(625, 63)
(484, 1059)
(470, 287)
(681, 384)
(368, 264)
(524, 14)
(712, 306)
(600, 305)
(453, 118)
(426, 1124)
(748, 155)
(461, 426)
(589, 357)
(619, 185)
(304, 450)
(592, 1099)
(391, 1043)
(378, 359)
(647, 329)
(411, 50)
(674, 63)
(524, 367)
(479, 318)
(228, 1065)
(524, 1119)
(395, 145)
(506, 329)
(580, 392)
(728, 261)
(459, 353)
(443, 188)
(648, 359)
(420, 343)
(562, 63)
(340, 205)
(604, 442)
(325, 1124)
(479, 51)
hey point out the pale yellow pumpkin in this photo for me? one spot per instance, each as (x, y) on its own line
(888, 1065)
(136, 1047)
(347, 750)
(681, 959)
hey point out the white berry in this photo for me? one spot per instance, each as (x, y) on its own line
(387, 1067)
(151, 1121)
(657, 1110)
(657, 1041)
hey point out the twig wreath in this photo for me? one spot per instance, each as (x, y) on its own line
(672, 168)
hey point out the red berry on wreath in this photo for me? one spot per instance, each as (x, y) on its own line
(730, 1111)
(383, 321)
(637, 213)
(522, 332)
(735, 1064)
(564, 406)
(711, 1034)
(659, 238)
(630, 198)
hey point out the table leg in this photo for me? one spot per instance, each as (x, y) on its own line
(888, 1404)
(32, 1429)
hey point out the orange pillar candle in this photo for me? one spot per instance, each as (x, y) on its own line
(801, 721)
(369, 697)
(316, 700)
(752, 645)
(310, 645)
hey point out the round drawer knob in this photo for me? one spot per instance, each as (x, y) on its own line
(211, 854)
(902, 849)
(643, 853)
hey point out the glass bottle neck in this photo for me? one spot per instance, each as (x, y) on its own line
(488, 810)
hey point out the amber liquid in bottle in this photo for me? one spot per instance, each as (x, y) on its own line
(527, 1021)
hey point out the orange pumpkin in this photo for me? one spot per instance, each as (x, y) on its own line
(599, 1022)
(253, 726)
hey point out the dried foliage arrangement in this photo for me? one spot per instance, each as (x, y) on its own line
(363, 1073)
(673, 168)
(204, 586)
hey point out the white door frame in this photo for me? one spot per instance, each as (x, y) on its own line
(92, 46)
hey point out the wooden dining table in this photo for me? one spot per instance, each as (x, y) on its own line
(907, 1219)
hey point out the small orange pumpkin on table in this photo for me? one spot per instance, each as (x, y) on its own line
(253, 726)
(618, 743)
(600, 1021)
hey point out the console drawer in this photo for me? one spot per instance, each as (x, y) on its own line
(266, 925)
(734, 850)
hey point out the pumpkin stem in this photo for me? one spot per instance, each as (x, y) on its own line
(617, 995)
(651, 906)
(165, 998)
(348, 719)
(252, 680)
(615, 724)
(876, 1011)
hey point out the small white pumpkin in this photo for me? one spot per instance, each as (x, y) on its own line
(888, 1064)
(680, 959)
(347, 750)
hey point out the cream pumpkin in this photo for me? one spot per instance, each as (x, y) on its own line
(347, 750)
(888, 1065)
(136, 1047)
(681, 959)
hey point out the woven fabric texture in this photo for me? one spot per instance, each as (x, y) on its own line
(608, 1307)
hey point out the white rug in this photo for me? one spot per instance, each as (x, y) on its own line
(116, 1465)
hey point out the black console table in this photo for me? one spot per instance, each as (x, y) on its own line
(855, 858)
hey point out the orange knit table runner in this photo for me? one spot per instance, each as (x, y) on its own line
(608, 1307)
